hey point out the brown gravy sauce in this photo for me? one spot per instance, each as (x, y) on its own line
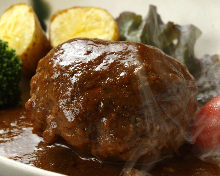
(17, 142)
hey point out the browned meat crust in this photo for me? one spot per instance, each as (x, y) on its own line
(116, 100)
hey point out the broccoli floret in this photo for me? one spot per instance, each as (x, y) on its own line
(10, 76)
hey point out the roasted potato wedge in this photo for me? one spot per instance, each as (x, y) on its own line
(85, 22)
(20, 27)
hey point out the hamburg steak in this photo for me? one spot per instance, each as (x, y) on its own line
(118, 101)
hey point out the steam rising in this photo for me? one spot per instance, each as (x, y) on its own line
(209, 81)
(154, 110)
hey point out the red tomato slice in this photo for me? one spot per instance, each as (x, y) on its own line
(206, 128)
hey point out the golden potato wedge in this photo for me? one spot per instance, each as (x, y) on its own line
(86, 22)
(20, 27)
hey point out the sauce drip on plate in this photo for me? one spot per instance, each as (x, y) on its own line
(17, 142)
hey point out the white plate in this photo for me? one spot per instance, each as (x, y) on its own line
(204, 14)
(13, 168)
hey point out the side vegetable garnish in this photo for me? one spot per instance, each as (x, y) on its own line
(42, 9)
(177, 41)
(206, 128)
(209, 81)
(82, 22)
(20, 27)
(10, 75)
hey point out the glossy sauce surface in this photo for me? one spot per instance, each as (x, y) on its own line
(19, 143)
(118, 101)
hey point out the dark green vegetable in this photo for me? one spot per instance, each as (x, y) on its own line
(42, 9)
(209, 81)
(129, 24)
(175, 40)
(10, 75)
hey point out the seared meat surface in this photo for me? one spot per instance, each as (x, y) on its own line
(115, 100)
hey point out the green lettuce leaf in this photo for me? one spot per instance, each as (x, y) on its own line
(129, 24)
(175, 40)
(184, 49)
(209, 81)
